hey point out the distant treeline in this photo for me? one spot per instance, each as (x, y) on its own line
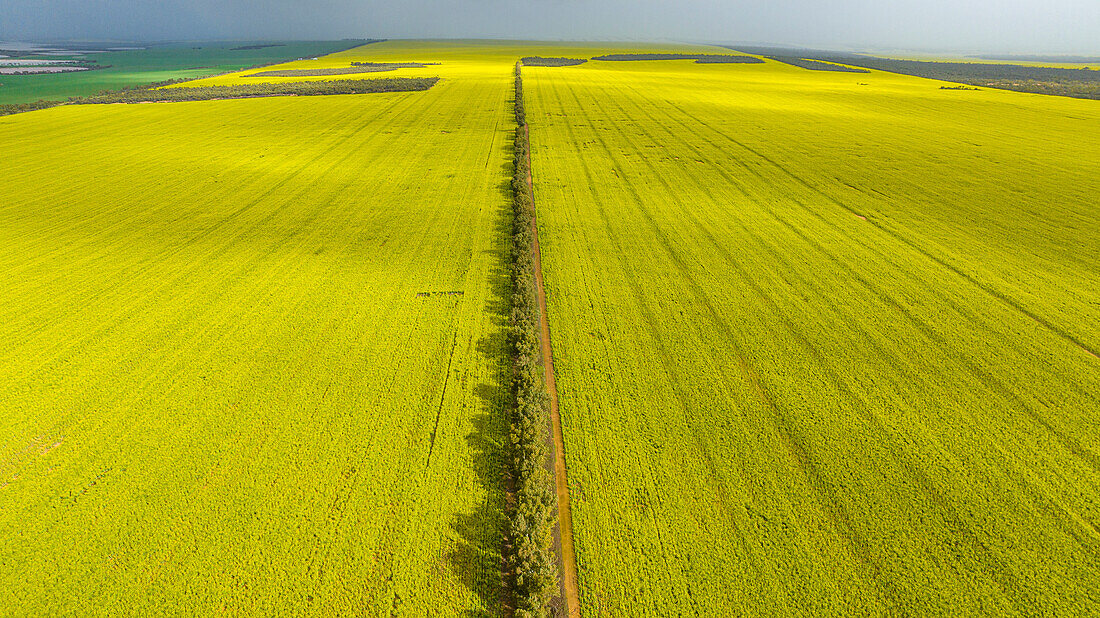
(46, 70)
(18, 108)
(244, 91)
(538, 61)
(358, 67)
(1081, 83)
(261, 46)
(1038, 58)
(816, 65)
(1066, 88)
(698, 58)
(963, 71)
(531, 577)
(389, 66)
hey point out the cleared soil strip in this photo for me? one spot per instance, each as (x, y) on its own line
(565, 517)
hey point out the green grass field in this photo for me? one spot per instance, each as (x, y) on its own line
(219, 390)
(155, 64)
(821, 339)
(825, 343)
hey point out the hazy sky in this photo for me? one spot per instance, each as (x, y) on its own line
(986, 25)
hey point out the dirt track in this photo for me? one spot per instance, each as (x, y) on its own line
(565, 517)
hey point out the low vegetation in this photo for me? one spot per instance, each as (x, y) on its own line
(532, 564)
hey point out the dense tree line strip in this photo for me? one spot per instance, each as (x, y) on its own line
(385, 66)
(18, 108)
(1080, 83)
(539, 61)
(319, 72)
(816, 65)
(698, 58)
(244, 91)
(532, 575)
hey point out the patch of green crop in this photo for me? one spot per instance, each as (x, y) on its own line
(158, 63)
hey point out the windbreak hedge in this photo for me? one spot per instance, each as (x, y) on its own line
(244, 91)
(698, 58)
(538, 61)
(533, 576)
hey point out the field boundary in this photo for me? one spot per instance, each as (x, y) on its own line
(567, 555)
(541, 559)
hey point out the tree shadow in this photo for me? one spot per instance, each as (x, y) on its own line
(477, 559)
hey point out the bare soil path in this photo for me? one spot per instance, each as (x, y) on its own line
(564, 536)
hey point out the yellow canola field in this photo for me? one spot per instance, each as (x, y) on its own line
(219, 389)
(825, 342)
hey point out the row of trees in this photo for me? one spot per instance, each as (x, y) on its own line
(817, 65)
(539, 61)
(389, 66)
(698, 58)
(242, 91)
(16, 108)
(532, 573)
(321, 72)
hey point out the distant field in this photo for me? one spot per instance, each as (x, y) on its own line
(253, 352)
(156, 64)
(822, 340)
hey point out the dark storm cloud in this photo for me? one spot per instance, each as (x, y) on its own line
(994, 25)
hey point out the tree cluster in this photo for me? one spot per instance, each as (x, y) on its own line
(532, 572)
